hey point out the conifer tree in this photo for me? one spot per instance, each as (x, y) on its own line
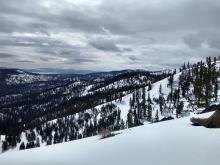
(139, 110)
(129, 119)
(170, 83)
(149, 108)
(5, 146)
(184, 66)
(156, 116)
(161, 103)
(144, 102)
(22, 146)
(179, 108)
(160, 89)
(149, 86)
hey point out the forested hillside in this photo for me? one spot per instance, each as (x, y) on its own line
(83, 106)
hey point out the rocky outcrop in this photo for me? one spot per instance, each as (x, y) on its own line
(211, 122)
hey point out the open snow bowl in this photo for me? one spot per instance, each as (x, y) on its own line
(170, 142)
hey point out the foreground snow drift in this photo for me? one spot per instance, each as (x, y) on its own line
(167, 143)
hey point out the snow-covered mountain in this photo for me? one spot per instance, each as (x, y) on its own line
(35, 101)
(169, 142)
(18, 76)
(109, 103)
(99, 91)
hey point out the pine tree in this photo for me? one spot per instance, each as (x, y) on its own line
(208, 83)
(170, 83)
(156, 116)
(149, 99)
(216, 87)
(184, 66)
(22, 146)
(160, 89)
(188, 65)
(37, 142)
(5, 146)
(179, 109)
(197, 84)
(149, 86)
(143, 104)
(136, 119)
(139, 110)
(149, 112)
(129, 119)
(149, 108)
(215, 80)
(175, 96)
(161, 103)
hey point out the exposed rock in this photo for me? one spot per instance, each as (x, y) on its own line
(167, 118)
(211, 122)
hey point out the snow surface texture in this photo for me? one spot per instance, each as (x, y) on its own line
(165, 143)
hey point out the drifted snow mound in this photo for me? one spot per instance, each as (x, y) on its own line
(211, 122)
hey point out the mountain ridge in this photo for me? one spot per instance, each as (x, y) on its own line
(84, 107)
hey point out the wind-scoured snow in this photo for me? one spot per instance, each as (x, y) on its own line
(165, 143)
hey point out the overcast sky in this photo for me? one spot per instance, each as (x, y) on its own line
(107, 34)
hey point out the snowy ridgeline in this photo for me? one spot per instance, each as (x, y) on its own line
(167, 143)
(23, 78)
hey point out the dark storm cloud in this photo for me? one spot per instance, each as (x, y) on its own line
(105, 45)
(211, 38)
(14, 16)
(80, 61)
(25, 42)
(44, 59)
(31, 16)
(117, 16)
(6, 55)
(192, 41)
(67, 51)
(25, 61)
(127, 49)
(133, 58)
(77, 32)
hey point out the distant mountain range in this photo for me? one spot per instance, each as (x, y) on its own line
(58, 71)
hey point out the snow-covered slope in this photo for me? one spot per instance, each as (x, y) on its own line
(166, 143)
(122, 112)
(26, 78)
(124, 106)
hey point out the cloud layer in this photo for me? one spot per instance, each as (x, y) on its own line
(107, 35)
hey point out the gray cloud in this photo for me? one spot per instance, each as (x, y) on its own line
(105, 45)
(25, 61)
(6, 55)
(211, 38)
(81, 61)
(127, 49)
(108, 35)
(192, 41)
